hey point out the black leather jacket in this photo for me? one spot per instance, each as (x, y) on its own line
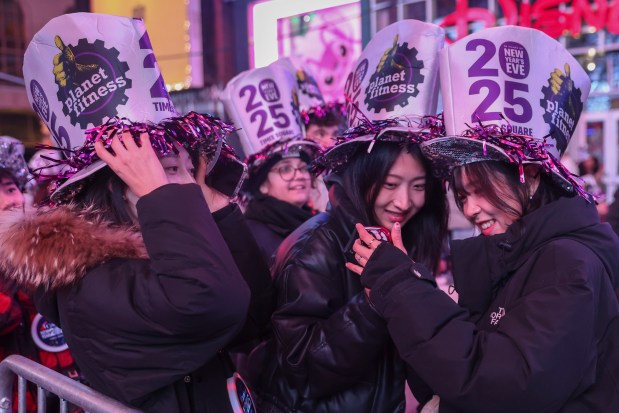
(330, 351)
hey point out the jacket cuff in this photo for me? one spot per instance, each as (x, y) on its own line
(389, 267)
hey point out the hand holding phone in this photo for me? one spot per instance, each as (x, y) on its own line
(380, 233)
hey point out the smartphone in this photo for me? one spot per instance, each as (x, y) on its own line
(227, 176)
(380, 233)
(240, 397)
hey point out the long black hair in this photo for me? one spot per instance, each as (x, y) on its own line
(499, 181)
(363, 179)
(104, 196)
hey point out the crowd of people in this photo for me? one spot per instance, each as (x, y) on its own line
(176, 277)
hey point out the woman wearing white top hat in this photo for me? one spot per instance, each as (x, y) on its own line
(536, 328)
(129, 260)
(322, 121)
(264, 104)
(330, 351)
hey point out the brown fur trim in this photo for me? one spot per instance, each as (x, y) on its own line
(55, 248)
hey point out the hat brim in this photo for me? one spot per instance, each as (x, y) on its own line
(295, 149)
(447, 153)
(339, 155)
(66, 186)
(193, 131)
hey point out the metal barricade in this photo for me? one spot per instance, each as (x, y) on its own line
(68, 390)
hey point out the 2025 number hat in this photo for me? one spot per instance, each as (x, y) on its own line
(510, 94)
(264, 104)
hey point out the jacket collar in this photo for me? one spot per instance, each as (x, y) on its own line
(56, 248)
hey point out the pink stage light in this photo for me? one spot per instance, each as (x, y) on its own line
(263, 17)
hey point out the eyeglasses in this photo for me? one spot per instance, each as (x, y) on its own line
(288, 172)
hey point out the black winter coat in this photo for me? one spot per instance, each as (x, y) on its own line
(255, 270)
(147, 331)
(537, 329)
(331, 351)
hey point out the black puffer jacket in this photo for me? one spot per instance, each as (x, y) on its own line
(331, 351)
(537, 329)
(145, 316)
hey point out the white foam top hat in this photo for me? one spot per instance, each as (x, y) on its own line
(82, 69)
(308, 91)
(504, 81)
(396, 75)
(395, 78)
(263, 103)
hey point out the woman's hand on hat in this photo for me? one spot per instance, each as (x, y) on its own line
(214, 199)
(137, 166)
(366, 244)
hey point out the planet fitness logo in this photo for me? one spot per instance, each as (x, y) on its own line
(396, 80)
(307, 85)
(40, 104)
(91, 81)
(562, 104)
(353, 90)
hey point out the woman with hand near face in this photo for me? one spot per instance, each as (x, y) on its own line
(331, 351)
(536, 327)
(537, 299)
(142, 282)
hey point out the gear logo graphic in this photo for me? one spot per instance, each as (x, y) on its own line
(296, 114)
(396, 80)
(91, 81)
(562, 104)
(307, 85)
(360, 73)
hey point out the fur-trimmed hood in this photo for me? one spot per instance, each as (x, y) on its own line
(52, 248)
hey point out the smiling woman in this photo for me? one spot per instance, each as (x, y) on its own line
(278, 190)
(323, 305)
(403, 194)
(330, 351)
(536, 324)
(289, 180)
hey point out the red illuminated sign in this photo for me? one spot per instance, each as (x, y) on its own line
(543, 15)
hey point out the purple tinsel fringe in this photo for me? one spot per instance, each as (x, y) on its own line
(522, 148)
(193, 131)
